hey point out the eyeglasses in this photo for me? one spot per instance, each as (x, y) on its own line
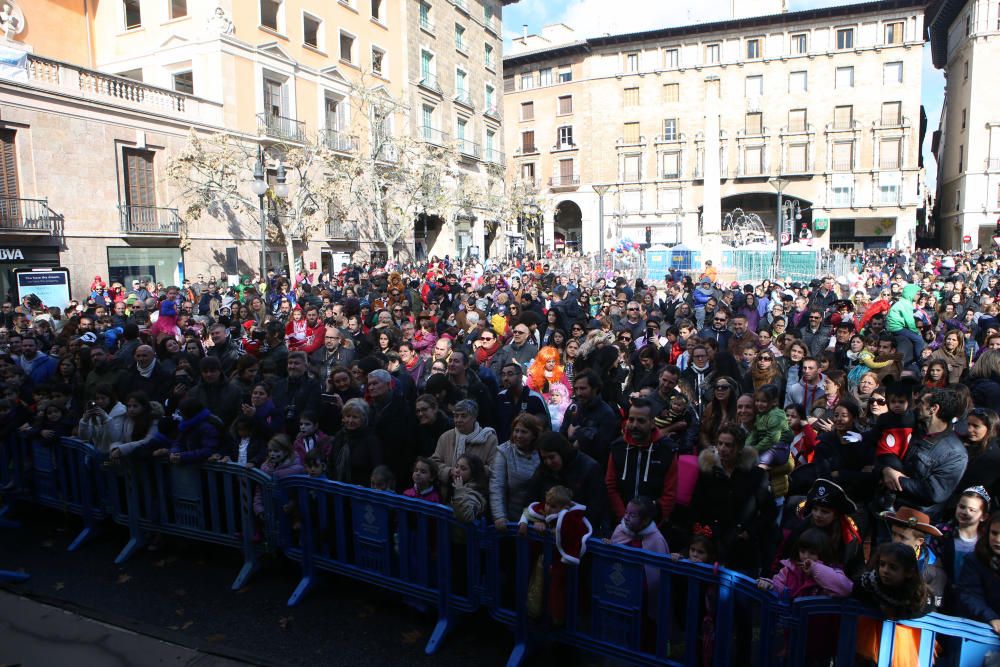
(625, 339)
(877, 401)
(518, 332)
(631, 309)
(722, 387)
(765, 358)
(719, 319)
(487, 339)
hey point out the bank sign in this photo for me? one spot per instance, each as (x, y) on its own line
(11, 255)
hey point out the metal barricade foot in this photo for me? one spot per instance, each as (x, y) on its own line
(133, 545)
(247, 571)
(441, 630)
(517, 655)
(9, 577)
(304, 586)
(82, 538)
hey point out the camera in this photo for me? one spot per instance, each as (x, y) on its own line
(258, 335)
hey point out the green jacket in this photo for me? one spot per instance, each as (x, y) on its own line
(769, 429)
(900, 315)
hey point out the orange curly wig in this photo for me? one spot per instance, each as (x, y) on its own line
(536, 371)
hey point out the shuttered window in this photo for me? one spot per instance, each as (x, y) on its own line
(797, 158)
(843, 156)
(8, 165)
(631, 133)
(140, 189)
(843, 117)
(10, 211)
(631, 97)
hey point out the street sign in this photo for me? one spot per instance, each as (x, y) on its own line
(785, 238)
(821, 224)
(966, 239)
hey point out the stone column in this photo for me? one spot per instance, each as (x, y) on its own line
(711, 240)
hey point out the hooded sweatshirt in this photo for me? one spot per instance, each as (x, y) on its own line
(900, 315)
(641, 470)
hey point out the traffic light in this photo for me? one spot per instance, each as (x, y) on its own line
(649, 234)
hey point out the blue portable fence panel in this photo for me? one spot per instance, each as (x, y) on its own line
(944, 640)
(65, 476)
(211, 502)
(402, 544)
(611, 611)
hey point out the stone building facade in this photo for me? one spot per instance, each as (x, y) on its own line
(454, 77)
(826, 100)
(965, 43)
(96, 99)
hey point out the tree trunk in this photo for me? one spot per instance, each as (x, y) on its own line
(290, 251)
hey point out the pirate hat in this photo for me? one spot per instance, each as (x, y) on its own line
(827, 493)
(908, 517)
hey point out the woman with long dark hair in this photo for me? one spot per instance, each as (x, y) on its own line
(720, 410)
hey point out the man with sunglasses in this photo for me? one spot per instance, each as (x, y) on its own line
(717, 329)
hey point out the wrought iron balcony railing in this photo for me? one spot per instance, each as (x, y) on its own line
(564, 181)
(280, 127)
(341, 229)
(156, 220)
(339, 141)
(20, 215)
(433, 135)
(494, 156)
(469, 148)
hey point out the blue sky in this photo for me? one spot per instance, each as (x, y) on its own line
(591, 18)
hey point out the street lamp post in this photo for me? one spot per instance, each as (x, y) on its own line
(778, 184)
(259, 188)
(601, 190)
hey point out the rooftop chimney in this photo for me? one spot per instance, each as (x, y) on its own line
(524, 31)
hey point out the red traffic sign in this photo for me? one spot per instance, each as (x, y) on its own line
(785, 238)
(966, 239)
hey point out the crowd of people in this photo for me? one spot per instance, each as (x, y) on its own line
(837, 436)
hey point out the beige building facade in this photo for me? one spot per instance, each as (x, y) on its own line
(455, 77)
(826, 100)
(965, 43)
(98, 97)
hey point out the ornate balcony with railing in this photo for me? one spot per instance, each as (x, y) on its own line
(149, 220)
(493, 156)
(433, 135)
(281, 127)
(567, 181)
(25, 216)
(341, 230)
(79, 82)
(464, 97)
(430, 82)
(469, 148)
(339, 141)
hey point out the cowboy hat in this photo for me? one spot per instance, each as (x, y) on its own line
(908, 517)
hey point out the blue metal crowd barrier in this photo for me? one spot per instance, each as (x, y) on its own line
(695, 615)
(943, 640)
(64, 476)
(611, 611)
(211, 502)
(409, 546)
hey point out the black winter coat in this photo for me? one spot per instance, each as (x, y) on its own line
(730, 505)
(581, 475)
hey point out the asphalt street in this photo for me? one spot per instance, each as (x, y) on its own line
(178, 601)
